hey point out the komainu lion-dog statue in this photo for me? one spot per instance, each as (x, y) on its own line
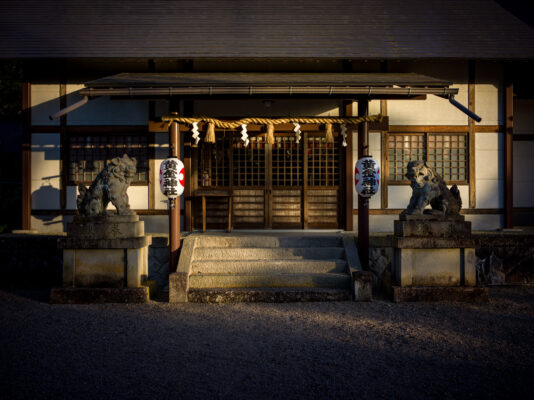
(429, 188)
(109, 186)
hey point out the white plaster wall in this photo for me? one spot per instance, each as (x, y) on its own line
(52, 224)
(138, 196)
(106, 111)
(523, 174)
(278, 108)
(45, 172)
(485, 222)
(434, 110)
(162, 151)
(489, 167)
(488, 93)
(523, 116)
(44, 102)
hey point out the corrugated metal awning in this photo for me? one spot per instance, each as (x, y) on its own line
(336, 85)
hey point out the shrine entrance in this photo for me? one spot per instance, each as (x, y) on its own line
(289, 184)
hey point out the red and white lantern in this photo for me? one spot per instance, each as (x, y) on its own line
(172, 177)
(367, 176)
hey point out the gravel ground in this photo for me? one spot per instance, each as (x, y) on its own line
(247, 351)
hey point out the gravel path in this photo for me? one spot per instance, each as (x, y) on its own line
(247, 351)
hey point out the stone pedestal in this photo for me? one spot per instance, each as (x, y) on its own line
(434, 260)
(104, 252)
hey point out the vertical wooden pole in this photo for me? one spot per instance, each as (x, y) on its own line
(349, 183)
(508, 154)
(363, 203)
(472, 135)
(174, 213)
(26, 156)
(188, 164)
(64, 143)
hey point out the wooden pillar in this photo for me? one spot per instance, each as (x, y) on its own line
(349, 183)
(508, 154)
(188, 165)
(363, 203)
(26, 156)
(174, 213)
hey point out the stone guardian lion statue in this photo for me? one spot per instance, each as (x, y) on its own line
(109, 186)
(429, 188)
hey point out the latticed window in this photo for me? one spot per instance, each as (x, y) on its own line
(447, 154)
(89, 154)
(323, 162)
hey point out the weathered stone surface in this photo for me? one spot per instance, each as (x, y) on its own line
(362, 286)
(432, 243)
(99, 295)
(266, 295)
(110, 227)
(428, 188)
(110, 185)
(462, 294)
(178, 287)
(125, 243)
(427, 228)
(433, 267)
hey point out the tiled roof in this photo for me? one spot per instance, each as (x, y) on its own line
(349, 29)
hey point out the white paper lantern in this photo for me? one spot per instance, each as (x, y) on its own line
(172, 177)
(367, 176)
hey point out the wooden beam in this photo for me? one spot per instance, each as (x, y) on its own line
(384, 168)
(188, 166)
(363, 203)
(472, 135)
(174, 213)
(26, 156)
(508, 153)
(152, 181)
(64, 146)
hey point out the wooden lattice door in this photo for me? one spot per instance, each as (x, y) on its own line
(284, 185)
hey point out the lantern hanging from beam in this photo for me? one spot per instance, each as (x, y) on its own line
(367, 176)
(172, 178)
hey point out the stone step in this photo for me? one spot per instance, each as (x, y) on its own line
(268, 295)
(257, 267)
(285, 253)
(269, 241)
(203, 281)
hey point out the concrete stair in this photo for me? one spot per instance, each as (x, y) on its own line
(273, 268)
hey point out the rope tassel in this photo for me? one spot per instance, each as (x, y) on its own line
(270, 133)
(329, 137)
(210, 133)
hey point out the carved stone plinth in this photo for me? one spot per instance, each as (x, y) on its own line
(432, 254)
(105, 252)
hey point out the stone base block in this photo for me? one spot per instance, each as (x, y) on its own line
(437, 229)
(463, 294)
(106, 227)
(362, 286)
(99, 295)
(279, 295)
(434, 267)
(93, 268)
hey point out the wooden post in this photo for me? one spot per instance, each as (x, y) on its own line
(349, 182)
(26, 156)
(363, 203)
(174, 213)
(508, 154)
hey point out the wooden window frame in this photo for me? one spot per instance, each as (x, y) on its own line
(426, 134)
(142, 133)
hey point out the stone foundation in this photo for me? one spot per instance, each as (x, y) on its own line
(101, 253)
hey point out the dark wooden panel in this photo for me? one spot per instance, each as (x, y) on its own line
(323, 208)
(248, 210)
